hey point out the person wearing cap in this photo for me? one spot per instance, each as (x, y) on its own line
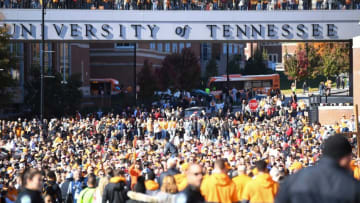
(328, 181)
(218, 187)
(262, 188)
(241, 180)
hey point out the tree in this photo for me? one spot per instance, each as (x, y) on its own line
(255, 65)
(234, 65)
(290, 66)
(305, 64)
(146, 80)
(59, 99)
(211, 68)
(329, 63)
(330, 54)
(314, 61)
(180, 71)
(7, 61)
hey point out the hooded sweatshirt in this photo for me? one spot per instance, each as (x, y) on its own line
(219, 187)
(151, 185)
(181, 181)
(116, 190)
(261, 189)
(241, 181)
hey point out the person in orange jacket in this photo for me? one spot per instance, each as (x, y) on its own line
(262, 188)
(134, 172)
(218, 187)
(151, 186)
(356, 169)
(241, 180)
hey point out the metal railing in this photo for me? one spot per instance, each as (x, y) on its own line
(242, 5)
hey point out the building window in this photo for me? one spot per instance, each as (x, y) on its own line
(152, 46)
(174, 48)
(224, 48)
(188, 45)
(159, 47)
(273, 58)
(230, 48)
(235, 48)
(205, 52)
(124, 45)
(167, 47)
(181, 46)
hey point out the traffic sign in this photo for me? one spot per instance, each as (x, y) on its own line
(253, 104)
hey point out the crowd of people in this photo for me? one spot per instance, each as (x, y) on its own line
(160, 155)
(186, 4)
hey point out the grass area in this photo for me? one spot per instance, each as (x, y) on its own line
(313, 84)
(299, 91)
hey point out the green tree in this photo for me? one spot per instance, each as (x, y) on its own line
(314, 61)
(146, 80)
(265, 55)
(234, 65)
(291, 67)
(329, 64)
(342, 52)
(255, 65)
(211, 68)
(7, 61)
(59, 99)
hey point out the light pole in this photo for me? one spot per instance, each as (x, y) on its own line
(134, 63)
(42, 61)
(227, 68)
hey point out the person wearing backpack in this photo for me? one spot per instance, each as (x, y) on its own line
(116, 190)
(66, 188)
(87, 194)
(52, 188)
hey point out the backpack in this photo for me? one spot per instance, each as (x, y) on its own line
(69, 196)
(50, 189)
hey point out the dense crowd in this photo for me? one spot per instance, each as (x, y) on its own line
(161, 155)
(186, 4)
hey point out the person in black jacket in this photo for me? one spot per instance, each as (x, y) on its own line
(171, 166)
(192, 194)
(116, 190)
(170, 147)
(329, 181)
(31, 193)
(52, 188)
(65, 192)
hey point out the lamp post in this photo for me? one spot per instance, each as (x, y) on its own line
(134, 63)
(42, 61)
(227, 69)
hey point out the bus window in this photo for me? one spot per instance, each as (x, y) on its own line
(256, 84)
(267, 83)
(237, 84)
(247, 85)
